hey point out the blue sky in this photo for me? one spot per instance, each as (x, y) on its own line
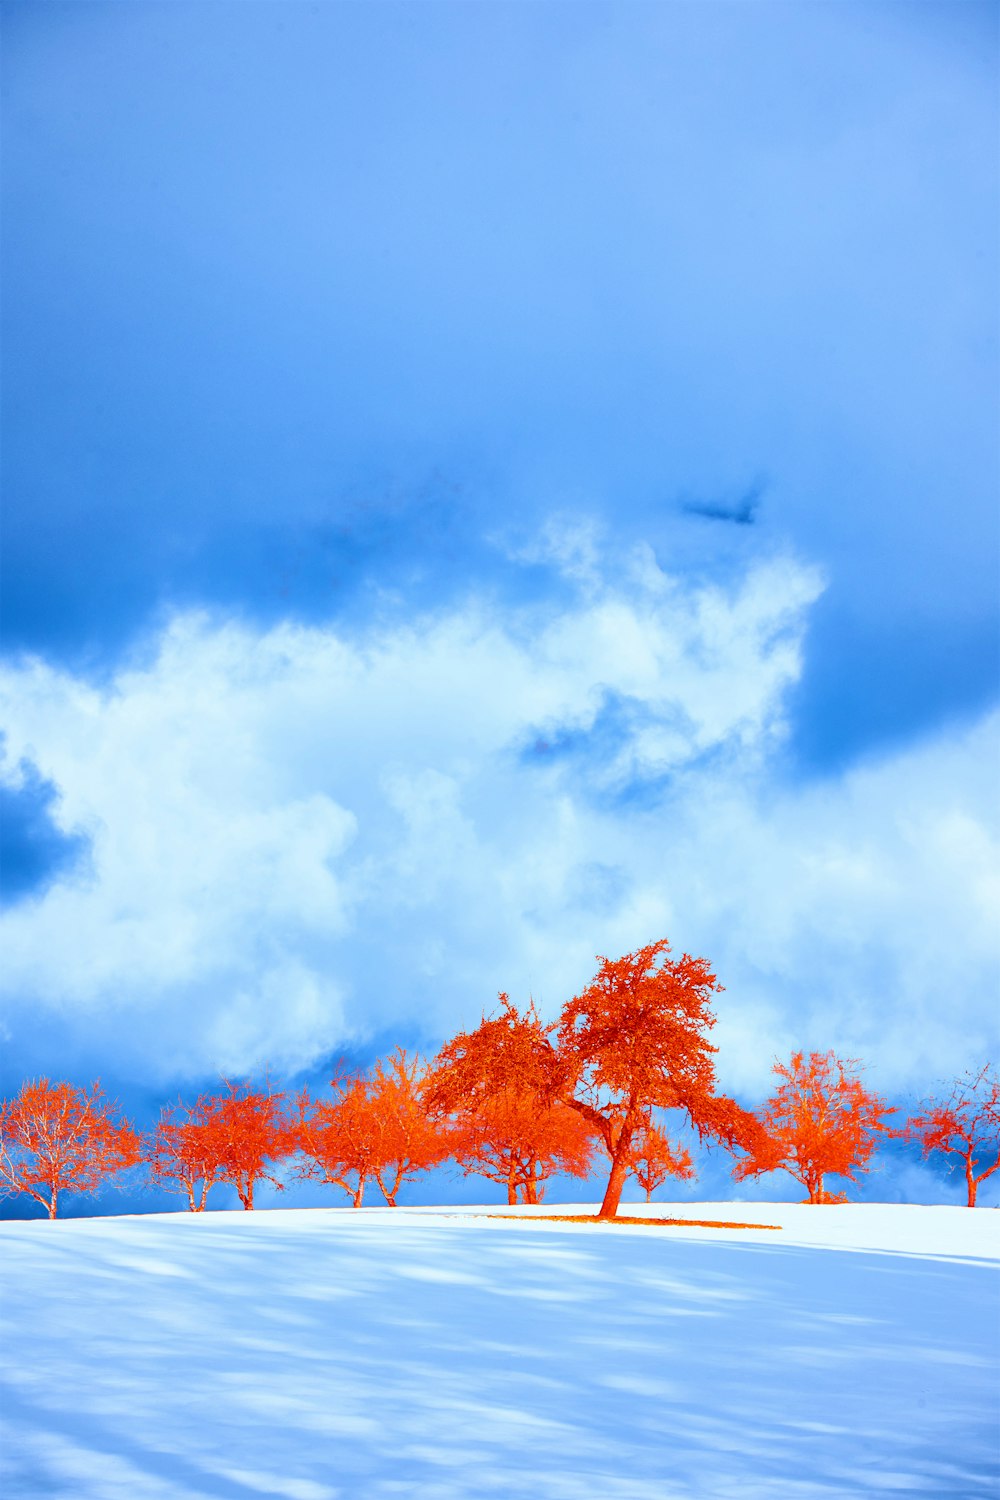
(486, 485)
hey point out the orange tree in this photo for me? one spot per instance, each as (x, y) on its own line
(636, 1040)
(654, 1158)
(253, 1133)
(820, 1121)
(187, 1151)
(406, 1139)
(495, 1085)
(338, 1139)
(965, 1126)
(520, 1142)
(56, 1138)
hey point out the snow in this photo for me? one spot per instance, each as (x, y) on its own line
(453, 1355)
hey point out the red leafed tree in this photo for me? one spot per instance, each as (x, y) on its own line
(339, 1139)
(187, 1151)
(254, 1134)
(965, 1126)
(408, 1139)
(55, 1139)
(636, 1040)
(820, 1122)
(496, 1086)
(520, 1142)
(653, 1158)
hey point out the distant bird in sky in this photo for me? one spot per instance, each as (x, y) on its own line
(742, 510)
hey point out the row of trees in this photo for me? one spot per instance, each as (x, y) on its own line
(515, 1101)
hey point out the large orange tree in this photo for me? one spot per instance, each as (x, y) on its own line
(635, 1040)
(56, 1138)
(821, 1121)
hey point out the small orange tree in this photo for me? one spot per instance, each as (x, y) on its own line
(496, 1086)
(55, 1138)
(254, 1134)
(636, 1040)
(519, 1142)
(653, 1158)
(965, 1126)
(820, 1121)
(339, 1139)
(187, 1151)
(407, 1140)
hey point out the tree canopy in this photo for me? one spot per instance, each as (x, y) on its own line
(497, 1086)
(636, 1039)
(965, 1126)
(57, 1138)
(821, 1121)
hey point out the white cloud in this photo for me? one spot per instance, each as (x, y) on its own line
(301, 839)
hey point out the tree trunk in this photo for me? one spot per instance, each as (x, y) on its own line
(616, 1182)
(54, 1204)
(972, 1184)
(815, 1188)
(359, 1192)
(389, 1194)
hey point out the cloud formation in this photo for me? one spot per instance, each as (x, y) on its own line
(304, 839)
(34, 851)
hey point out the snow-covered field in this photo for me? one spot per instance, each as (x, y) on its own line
(314, 1354)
